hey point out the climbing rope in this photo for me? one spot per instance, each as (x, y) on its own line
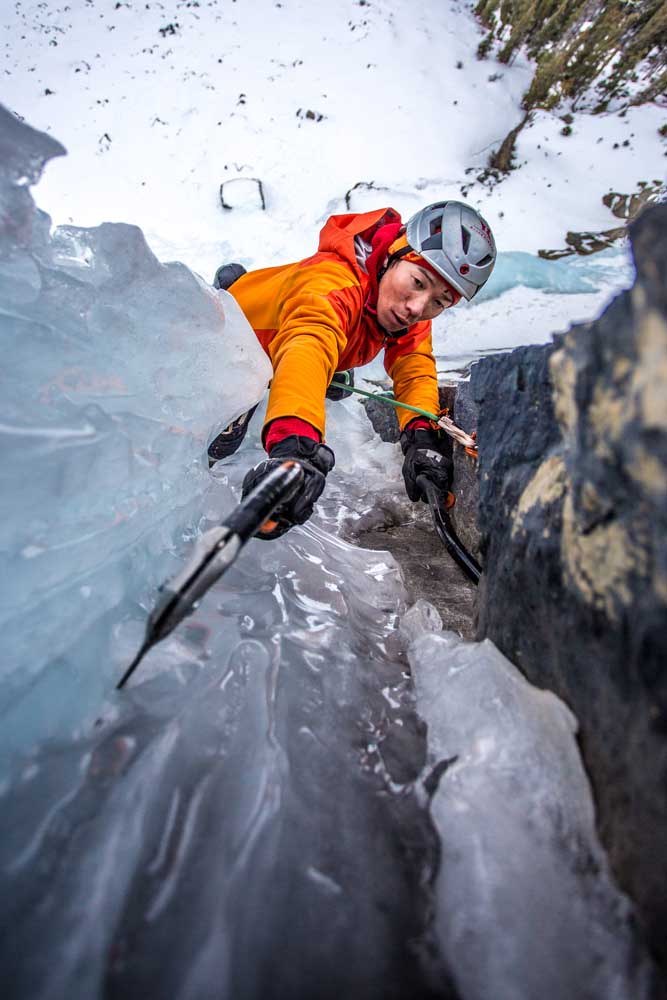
(441, 420)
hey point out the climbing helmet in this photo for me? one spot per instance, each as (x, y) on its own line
(456, 242)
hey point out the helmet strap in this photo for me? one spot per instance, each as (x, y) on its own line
(392, 258)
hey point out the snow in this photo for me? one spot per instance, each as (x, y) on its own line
(281, 710)
(561, 180)
(237, 115)
(518, 317)
(155, 122)
(219, 99)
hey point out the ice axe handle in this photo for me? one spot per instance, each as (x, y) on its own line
(445, 530)
(214, 553)
(254, 512)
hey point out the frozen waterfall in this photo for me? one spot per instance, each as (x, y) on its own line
(271, 809)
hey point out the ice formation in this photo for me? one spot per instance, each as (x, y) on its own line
(245, 813)
(570, 275)
(246, 820)
(116, 369)
(521, 864)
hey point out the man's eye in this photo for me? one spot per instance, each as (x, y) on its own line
(418, 282)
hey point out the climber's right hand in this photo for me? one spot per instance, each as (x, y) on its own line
(315, 459)
(426, 453)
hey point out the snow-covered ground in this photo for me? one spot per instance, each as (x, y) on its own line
(159, 103)
(281, 711)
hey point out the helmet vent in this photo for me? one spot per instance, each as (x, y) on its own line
(456, 242)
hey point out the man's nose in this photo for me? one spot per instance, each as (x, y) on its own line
(416, 304)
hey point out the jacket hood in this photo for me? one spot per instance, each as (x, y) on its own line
(339, 231)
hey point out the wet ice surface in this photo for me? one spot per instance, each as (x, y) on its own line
(248, 818)
(245, 815)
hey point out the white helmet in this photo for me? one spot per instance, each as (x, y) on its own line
(457, 242)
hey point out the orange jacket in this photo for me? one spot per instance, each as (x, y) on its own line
(310, 319)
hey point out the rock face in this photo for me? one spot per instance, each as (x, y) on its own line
(573, 520)
(466, 479)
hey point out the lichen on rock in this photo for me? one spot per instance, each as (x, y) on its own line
(602, 564)
(545, 488)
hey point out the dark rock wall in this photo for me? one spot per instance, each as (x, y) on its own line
(573, 521)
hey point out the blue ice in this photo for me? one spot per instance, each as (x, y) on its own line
(569, 275)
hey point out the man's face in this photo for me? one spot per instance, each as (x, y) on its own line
(409, 293)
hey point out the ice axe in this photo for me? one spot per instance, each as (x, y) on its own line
(439, 505)
(445, 530)
(214, 553)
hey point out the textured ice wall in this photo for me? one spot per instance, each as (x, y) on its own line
(241, 821)
(115, 368)
(525, 906)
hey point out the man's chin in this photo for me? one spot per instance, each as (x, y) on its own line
(389, 323)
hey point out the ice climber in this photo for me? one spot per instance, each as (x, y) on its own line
(373, 284)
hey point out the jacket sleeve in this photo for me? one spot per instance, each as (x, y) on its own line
(304, 352)
(410, 364)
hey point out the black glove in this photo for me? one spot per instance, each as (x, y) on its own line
(347, 378)
(426, 453)
(315, 459)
